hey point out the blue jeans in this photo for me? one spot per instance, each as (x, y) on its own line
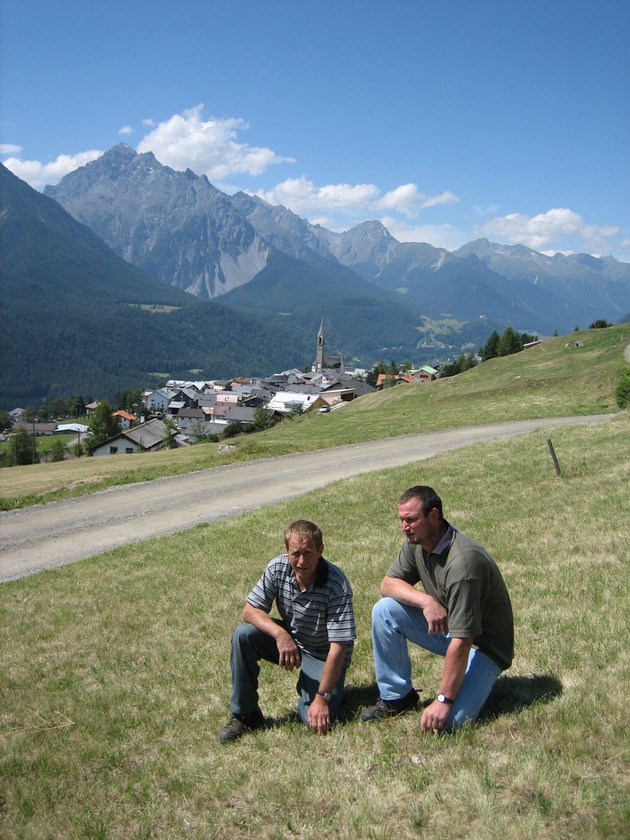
(249, 646)
(393, 626)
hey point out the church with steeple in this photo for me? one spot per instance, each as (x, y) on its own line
(322, 361)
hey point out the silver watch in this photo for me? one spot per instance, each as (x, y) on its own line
(442, 698)
(326, 695)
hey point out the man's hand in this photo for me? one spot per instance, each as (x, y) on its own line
(434, 717)
(319, 715)
(288, 652)
(436, 616)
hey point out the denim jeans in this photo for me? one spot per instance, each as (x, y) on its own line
(249, 646)
(393, 626)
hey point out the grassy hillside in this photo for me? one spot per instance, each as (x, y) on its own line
(115, 676)
(545, 381)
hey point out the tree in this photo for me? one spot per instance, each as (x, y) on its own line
(235, 427)
(5, 421)
(57, 450)
(509, 343)
(169, 428)
(58, 408)
(24, 448)
(622, 393)
(491, 348)
(263, 419)
(76, 406)
(103, 425)
(600, 324)
(463, 362)
(373, 375)
(126, 400)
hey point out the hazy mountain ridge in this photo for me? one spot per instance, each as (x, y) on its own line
(184, 231)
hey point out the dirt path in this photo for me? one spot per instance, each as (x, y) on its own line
(45, 536)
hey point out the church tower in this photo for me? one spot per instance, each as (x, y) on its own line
(322, 361)
(321, 345)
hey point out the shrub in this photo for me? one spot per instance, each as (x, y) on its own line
(622, 394)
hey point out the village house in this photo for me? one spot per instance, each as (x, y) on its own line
(124, 418)
(285, 402)
(147, 437)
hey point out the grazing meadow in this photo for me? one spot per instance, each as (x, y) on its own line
(115, 671)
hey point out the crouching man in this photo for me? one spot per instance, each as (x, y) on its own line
(314, 634)
(462, 613)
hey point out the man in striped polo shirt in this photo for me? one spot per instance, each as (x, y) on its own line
(315, 633)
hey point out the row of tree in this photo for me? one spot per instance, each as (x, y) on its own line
(506, 344)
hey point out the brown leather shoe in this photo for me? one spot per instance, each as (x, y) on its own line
(239, 724)
(390, 708)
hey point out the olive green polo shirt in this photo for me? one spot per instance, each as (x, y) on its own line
(463, 577)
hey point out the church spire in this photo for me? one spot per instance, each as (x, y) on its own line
(319, 360)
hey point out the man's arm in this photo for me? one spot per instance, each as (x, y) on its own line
(435, 614)
(455, 663)
(288, 651)
(318, 711)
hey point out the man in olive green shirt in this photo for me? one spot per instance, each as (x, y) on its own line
(462, 613)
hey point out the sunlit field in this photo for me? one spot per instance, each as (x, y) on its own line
(115, 677)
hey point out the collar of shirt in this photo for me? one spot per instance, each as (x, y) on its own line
(320, 579)
(446, 541)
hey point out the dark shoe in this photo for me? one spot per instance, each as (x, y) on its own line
(238, 724)
(390, 708)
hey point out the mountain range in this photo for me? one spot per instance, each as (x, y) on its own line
(128, 271)
(179, 228)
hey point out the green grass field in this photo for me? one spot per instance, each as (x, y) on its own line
(115, 673)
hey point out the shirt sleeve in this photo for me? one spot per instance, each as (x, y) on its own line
(264, 592)
(464, 608)
(340, 621)
(404, 566)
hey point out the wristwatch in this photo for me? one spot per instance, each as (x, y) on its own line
(326, 695)
(442, 698)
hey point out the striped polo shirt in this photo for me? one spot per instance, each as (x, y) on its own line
(323, 613)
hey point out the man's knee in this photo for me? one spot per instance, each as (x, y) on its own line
(381, 609)
(244, 637)
(243, 632)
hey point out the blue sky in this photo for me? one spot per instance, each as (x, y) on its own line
(447, 120)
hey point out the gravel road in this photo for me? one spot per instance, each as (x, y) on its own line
(44, 536)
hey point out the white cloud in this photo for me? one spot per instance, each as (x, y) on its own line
(38, 174)
(409, 201)
(126, 130)
(9, 149)
(446, 236)
(304, 197)
(343, 204)
(207, 146)
(558, 229)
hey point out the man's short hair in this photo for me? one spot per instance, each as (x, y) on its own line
(429, 499)
(304, 529)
